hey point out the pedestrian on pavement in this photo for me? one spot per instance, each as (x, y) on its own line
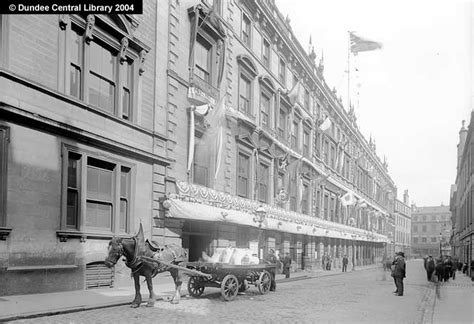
(328, 263)
(429, 267)
(399, 272)
(324, 261)
(345, 261)
(271, 258)
(286, 265)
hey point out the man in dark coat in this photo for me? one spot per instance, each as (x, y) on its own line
(345, 261)
(399, 272)
(272, 259)
(286, 265)
(430, 267)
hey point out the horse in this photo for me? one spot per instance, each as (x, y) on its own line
(133, 248)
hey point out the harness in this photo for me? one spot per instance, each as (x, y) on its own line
(136, 261)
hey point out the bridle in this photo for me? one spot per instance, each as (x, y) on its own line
(135, 264)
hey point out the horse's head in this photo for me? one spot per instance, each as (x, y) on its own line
(115, 250)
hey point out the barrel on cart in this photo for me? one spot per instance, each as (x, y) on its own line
(229, 278)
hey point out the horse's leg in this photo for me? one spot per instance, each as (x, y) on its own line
(138, 297)
(177, 277)
(151, 300)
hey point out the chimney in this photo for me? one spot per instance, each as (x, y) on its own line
(462, 141)
(406, 199)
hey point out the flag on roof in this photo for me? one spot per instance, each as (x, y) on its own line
(360, 44)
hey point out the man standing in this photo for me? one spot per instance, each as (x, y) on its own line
(286, 265)
(272, 259)
(399, 272)
(345, 261)
(429, 267)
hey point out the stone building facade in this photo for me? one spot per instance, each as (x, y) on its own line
(430, 228)
(208, 123)
(248, 120)
(462, 197)
(82, 145)
(403, 225)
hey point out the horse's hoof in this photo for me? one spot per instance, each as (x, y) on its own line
(135, 305)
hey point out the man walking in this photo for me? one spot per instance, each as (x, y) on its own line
(286, 265)
(399, 272)
(272, 259)
(345, 261)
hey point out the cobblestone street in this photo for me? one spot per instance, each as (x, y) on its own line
(361, 296)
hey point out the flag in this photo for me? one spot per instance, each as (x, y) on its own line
(300, 190)
(218, 150)
(191, 139)
(359, 44)
(218, 119)
(348, 199)
(294, 93)
(326, 124)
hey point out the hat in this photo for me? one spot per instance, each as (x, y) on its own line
(401, 254)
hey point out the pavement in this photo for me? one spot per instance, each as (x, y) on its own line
(37, 305)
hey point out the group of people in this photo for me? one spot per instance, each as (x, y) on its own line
(442, 269)
(273, 258)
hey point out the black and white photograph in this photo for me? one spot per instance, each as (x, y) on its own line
(237, 161)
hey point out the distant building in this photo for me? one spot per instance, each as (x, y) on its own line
(403, 225)
(430, 230)
(462, 192)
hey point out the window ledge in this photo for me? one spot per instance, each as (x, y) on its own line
(42, 267)
(4, 232)
(64, 235)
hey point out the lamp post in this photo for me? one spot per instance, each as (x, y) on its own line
(260, 214)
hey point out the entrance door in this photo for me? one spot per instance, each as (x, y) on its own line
(196, 244)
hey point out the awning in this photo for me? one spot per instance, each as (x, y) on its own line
(191, 210)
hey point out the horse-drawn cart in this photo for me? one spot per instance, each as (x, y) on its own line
(229, 278)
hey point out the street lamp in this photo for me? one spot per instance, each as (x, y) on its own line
(259, 217)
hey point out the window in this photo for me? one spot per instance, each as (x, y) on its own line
(244, 94)
(333, 156)
(294, 135)
(282, 71)
(266, 53)
(4, 139)
(293, 193)
(305, 200)
(102, 69)
(306, 99)
(423, 239)
(76, 63)
(326, 206)
(326, 152)
(306, 142)
(282, 124)
(98, 194)
(265, 110)
(263, 177)
(201, 162)
(318, 203)
(202, 58)
(243, 169)
(333, 208)
(246, 30)
(102, 77)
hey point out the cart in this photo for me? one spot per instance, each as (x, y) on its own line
(229, 278)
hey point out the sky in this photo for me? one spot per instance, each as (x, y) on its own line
(412, 95)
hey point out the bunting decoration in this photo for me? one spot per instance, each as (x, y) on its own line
(191, 139)
(348, 199)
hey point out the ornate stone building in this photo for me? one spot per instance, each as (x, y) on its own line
(462, 197)
(431, 227)
(403, 225)
(266, 155)
(82, 147)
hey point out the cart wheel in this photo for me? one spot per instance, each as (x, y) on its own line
(195, 287)
(229, 287)
(264, 282)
